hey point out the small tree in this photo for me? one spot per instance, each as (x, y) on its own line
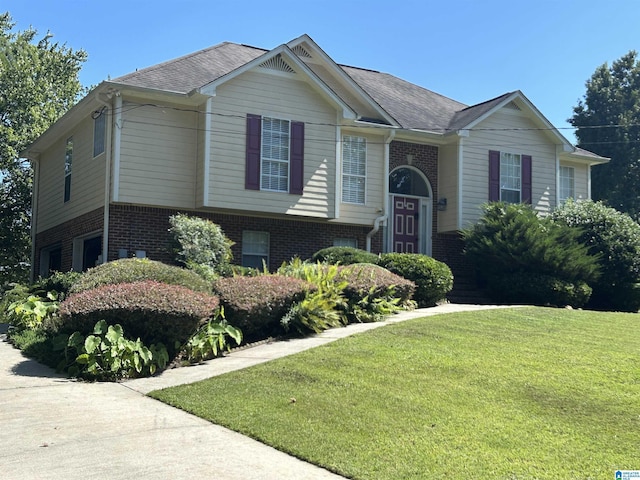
(200, 245)
(513, 242)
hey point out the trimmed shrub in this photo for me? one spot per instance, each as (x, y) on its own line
(200, 244)
(59, 282)
(542, 290)
(615, 238)
(433, 279)
(344, 256)
(155, 312)
(373, 292)
(130, 270)
(256, 304)
(510, 239)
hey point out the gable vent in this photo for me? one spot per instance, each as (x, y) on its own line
(300, 51)
(277, 63)
(512, 106)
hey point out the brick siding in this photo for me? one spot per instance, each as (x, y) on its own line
(146, 228)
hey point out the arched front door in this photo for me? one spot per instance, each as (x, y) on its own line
(411, 210)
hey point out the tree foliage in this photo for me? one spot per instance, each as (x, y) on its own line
(38, 84)
(608, 123)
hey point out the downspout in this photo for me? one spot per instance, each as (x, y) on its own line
(34, 215)
(112, 126)
(385, 191)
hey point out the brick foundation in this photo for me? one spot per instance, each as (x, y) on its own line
(146, 228)
(63, 236)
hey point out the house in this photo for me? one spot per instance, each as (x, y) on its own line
(288, 152)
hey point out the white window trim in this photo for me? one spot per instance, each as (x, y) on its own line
(68, 167)
(247, 252)
(562, 195)
(503, 157)
(345, 139)
(102, 114)
(264, 159)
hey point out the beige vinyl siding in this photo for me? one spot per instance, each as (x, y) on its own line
(448, 187)
(158, 155)
(510, 131)
(374, 190)
(279, 96)
(87, 179)
(581, 179)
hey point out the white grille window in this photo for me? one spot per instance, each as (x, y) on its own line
(275, 155)
(99, 130)
(510, 177)
(68, 162)
(354, 169)
(255, 249)
(567, 183)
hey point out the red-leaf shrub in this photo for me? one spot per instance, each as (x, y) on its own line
(256, 304)
(154, 311)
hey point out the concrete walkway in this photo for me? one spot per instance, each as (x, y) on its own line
(52, 427)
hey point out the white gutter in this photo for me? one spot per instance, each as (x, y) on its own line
(385, 191)
(460, 176)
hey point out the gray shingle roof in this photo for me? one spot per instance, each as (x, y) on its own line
(184, 74)
(412, 106)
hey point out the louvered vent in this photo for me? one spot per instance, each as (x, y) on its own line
(512, 106)
(277, 63)
(300, 51)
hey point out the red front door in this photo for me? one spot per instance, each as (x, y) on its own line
(405, 224)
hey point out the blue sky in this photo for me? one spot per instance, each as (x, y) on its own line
(468, 50)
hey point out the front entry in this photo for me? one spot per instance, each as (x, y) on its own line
(406, 216)
(411, 209)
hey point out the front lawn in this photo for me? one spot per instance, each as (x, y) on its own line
(527, 393)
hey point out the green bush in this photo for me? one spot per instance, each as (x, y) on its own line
(372, 292)
(433, 279)
(210, 340)
(59, 282)
(107, 355)
(322, 308)
(201, 245)
(256, 304)
(513, 240)
(344, 256)
(155, 312)
(130, 270)
(615, 238)
(544, 290)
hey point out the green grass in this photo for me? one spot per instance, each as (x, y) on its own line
(527, 393)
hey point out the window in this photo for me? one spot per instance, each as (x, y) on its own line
(567, 184)
(345, 242)
(255, 249)
(68, 160)
(50, 260)
(99, 131)
(354, 169)
(275, 155)
(509, 177)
